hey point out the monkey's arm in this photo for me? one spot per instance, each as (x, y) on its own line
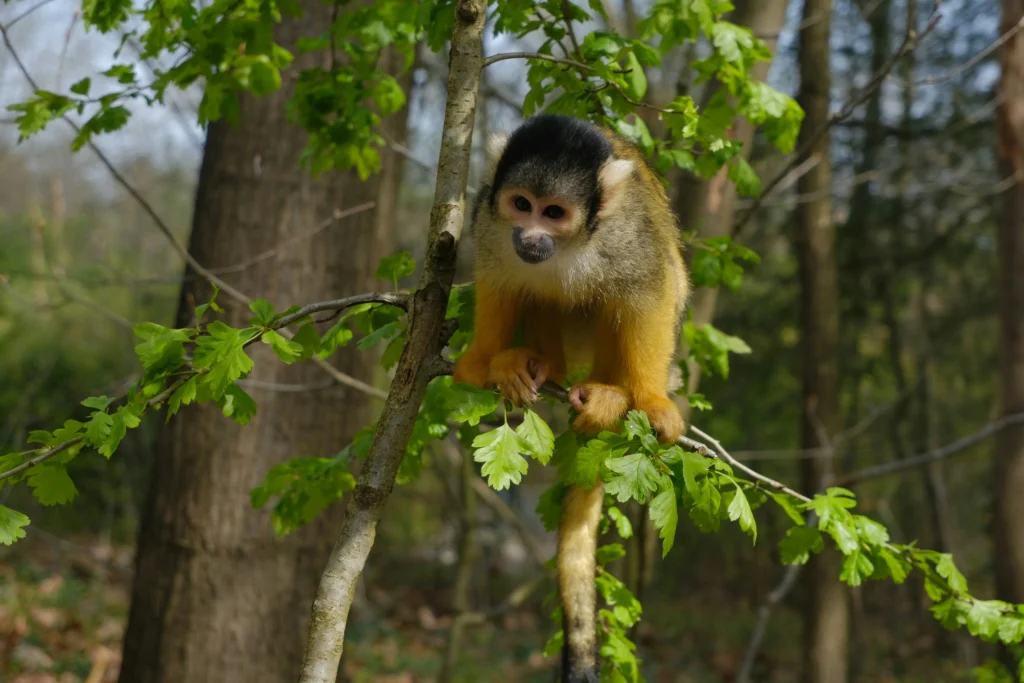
(646, 343)
(496, 319)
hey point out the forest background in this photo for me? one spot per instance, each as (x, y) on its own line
(916, 196)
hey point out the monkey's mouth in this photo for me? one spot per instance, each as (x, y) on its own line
(532, 248)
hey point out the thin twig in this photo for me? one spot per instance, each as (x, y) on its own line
(338, 375)
(763, 614)
(60, 448)
(39, 5)
(973, 61)
(753, 474)
(130, 189)
(928, 457)
(911, 40)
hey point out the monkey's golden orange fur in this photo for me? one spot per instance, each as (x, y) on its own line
(599, 281)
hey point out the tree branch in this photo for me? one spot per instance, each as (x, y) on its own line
(427, 310)
(400, 300)
(207, 274)
(911, 39)
(929, 457)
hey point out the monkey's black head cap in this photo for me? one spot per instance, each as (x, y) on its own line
(555, 155)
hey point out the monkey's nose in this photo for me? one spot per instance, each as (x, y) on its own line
(532, 248)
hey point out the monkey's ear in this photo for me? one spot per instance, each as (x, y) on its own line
(612, 180)
(496, 145)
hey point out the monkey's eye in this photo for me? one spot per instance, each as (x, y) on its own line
(554, 211)
(522, 203)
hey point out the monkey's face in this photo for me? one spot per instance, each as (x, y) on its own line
(539, 223)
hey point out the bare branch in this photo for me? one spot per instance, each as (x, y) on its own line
(753, 474)
(427, 309)
(975, 60)
(182, 251)
(763, 615)
(931, 456)
(911, 40)
(60, 448)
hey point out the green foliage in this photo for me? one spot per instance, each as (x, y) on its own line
(715, 262)
(340, 103)
(303, 487)
(711, 347)
(12, 525)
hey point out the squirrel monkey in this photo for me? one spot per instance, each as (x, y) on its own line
(576, 241)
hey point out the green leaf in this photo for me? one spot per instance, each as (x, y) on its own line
(665, 517)
(304, 488)
(747, 182)
(396, 266)
(97, 429)
(984, 618)
(238, 405)
(538, 435)
(1011, 630)
(947, 570)
(622, 524)
(286, 349)
(499, 451)
(739, 510)
(223, 354)
(97, 402)
(380, 334)
(638, 478)
(264, 312)
(81, 87)
(389, 98)
(51, 484)
(183, 396)
(870, 531)
(610, 553)
(790, 506)
(898, 568)
(857, 566)
(162, 349)
(12, 525)
(467, 403)
(636, 79)
(799, 543)
(731, 40)
(549, 505)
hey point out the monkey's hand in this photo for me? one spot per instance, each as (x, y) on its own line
(600, 406)
(472, 368)
(518, 374)
(663, 414)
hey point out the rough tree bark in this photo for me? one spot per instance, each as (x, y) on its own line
(420, 360)
(826, 616)
(217, 596)
(1009, 505)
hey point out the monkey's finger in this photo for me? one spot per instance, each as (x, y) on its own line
(539, 370)
(578, 396)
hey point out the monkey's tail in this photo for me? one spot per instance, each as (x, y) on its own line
(577, 563)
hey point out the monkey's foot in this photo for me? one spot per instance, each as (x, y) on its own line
(600, 406)
(518, 374)
(472, 368)
(664, 416)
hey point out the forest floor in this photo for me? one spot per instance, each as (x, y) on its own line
(63, 607)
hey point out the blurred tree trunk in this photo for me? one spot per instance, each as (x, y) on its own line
(1009, 532)
(710, 206)
(826, 617)
(217, 596)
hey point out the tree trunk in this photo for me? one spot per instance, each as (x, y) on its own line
(1009, 533)
(826, 617)
(217, 596)
(709, 206)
